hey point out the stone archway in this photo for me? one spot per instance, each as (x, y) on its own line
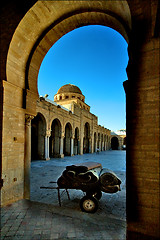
(102, 139)
(38, 131)
(36, 34)
(86, 139)
(67, 140)
(114, 143)
(55, 138)
(76, 142)
(95, 142)
(98, 142)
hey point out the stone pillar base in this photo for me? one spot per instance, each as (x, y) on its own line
(61, 155)
(47, 159)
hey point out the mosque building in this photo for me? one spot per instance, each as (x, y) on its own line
(66, 127)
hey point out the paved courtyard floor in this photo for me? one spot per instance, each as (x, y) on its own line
(43, 218)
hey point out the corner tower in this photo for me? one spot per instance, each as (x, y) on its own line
(70, 94)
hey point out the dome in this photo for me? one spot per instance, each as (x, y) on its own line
(69, 88)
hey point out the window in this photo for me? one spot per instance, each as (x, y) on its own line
(67, 97)
(73, 96)
(60, 97)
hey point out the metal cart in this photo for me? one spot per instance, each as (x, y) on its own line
(90, 178)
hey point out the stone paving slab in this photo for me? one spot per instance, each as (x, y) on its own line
(30, 220)
(43, 218)
(43, 172)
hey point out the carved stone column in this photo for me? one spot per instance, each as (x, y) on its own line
(72, 145)
(27, 156)
(90, 145)
(100, 145)
(48, 134)
(61, 146)
(105, 145)
(95, 146)
(92, 141)
(81, 146)
(78, 147)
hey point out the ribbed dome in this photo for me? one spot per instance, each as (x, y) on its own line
(69, 88)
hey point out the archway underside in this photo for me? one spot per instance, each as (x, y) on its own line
(28, 48)
(67, 25)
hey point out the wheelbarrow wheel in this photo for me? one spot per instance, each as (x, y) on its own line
(97, 194)
(89, 204)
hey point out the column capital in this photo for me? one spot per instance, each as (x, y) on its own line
(28, 119)
(48, 133)
(62, 135)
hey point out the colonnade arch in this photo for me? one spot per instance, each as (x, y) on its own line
(55, 138)
(86, 139)
(95, 142)
(38, 131)
(68, 140)
(102, 143)
(114, 143)
(76, 142)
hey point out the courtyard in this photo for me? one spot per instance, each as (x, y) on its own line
(43, 218)
(43, 172)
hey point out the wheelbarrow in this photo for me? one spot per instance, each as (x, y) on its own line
(90, 178)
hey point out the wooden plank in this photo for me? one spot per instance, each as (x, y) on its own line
(90, 165)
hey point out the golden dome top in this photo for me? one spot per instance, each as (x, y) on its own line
(69, 88)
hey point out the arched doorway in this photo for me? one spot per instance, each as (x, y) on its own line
(95, 143)
(48, 28)
(98, 142)
(54, 142)
(76, 142)
(102, 144)
(105, 147)
(38, 131)
(114, 143)
(67, 140)
(86, 139)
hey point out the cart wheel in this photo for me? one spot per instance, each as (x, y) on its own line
(97, 194)
(89, 204)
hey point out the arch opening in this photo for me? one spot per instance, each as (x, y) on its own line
(86, 139)
(38, 45)
(54, 142)
(67, 140)
(95, 144)
(76, 142)
(102, 143)
(38, 131)
(114, 143)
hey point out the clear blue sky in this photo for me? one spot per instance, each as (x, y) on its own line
(94, 58)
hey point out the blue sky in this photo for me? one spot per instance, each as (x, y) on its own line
(95, 59)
